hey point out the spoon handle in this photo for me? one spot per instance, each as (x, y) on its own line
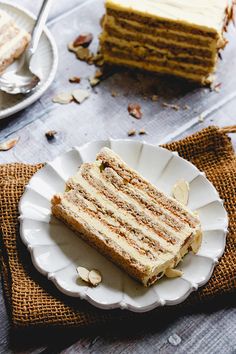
(38, 27)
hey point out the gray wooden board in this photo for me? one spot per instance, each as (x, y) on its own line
(100, 117)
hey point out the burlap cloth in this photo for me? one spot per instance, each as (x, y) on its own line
(34, 300)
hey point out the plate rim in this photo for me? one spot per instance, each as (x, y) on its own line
(37, 94)
(122, 305)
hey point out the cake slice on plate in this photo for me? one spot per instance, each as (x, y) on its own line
(127, 219)
(177, 37)
(13, 40)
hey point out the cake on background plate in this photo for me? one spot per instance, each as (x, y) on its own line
(177, 37)
(127, 219)
(13, 40)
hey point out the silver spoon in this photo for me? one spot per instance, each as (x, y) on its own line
(23, 80)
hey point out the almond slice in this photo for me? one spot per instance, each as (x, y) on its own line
(197, 242)
(181, 192)
(9, 144)
(83, 274)
(173, 273)
(71, 47)
(80, 95)
(63, 98)
(134, 110)
(84, 39)
(95, 277)
(94, 81)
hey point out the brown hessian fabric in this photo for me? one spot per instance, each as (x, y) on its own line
(34, 300)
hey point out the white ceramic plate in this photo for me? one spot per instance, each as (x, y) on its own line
(56, 251)
(44, 63)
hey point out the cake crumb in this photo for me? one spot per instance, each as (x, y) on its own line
(75, 79)
(142, 132)
(201, 118)
(186, 107)
(98, 73)
(172, 106)
(131, 132)
(50, 135)
(114, 93)
(217, 87)
(155, 98)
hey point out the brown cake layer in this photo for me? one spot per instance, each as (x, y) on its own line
(111, 46)
(161, 23)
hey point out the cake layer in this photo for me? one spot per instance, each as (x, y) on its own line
(109, 58)
(171, 64)
(204, 16)
(126, 218)
(134, 26)
(112, 44)
(174, 46)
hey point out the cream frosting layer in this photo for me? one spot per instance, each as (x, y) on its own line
(208, 14)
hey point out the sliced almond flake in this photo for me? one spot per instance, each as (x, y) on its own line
(71, 47)
(75, 79)
(80, 95)
(181, 192)
(173, 273)
(83, 53)
(95, 277)
(84, 39)
(142, 131)
(8, 144)
(83, 274)
(63, 98)
(131, 132)
(197, 242)
(94, 81)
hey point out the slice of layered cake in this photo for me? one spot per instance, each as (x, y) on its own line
(13, 40)
(127, 219)
(177, 37)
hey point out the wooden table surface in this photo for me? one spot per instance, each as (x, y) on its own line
(208, 329)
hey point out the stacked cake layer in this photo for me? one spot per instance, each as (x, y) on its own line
(178, 37)
(13, 40)
(127, 219)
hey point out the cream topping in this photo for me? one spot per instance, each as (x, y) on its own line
(202, 13)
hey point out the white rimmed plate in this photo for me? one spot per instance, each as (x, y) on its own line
(56, 251)
(44, 63)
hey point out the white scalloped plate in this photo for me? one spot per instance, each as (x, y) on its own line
(44, 62)
(56, 251)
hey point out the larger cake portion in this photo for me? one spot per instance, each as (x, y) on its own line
(127, 219)
(13, 40)
(177, 37)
